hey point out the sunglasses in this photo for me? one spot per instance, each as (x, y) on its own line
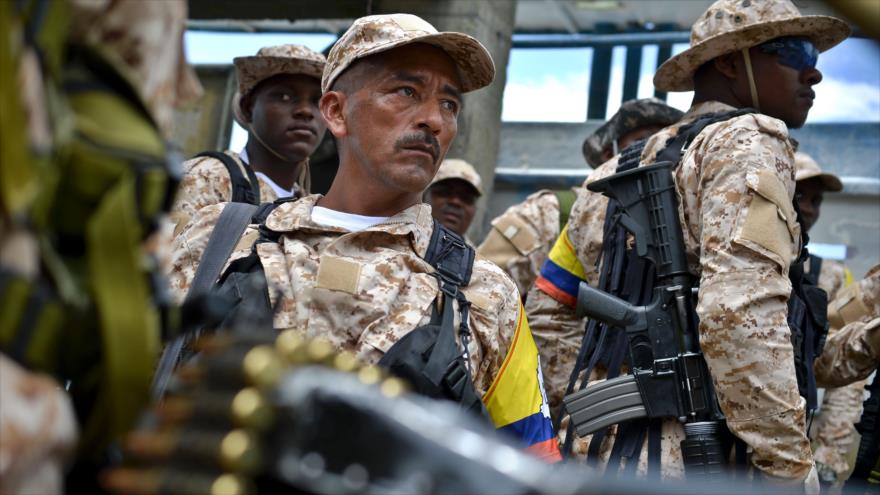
(797, 53)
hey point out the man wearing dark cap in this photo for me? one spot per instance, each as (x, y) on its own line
(734, 185)
(352, 267)
(522, 236)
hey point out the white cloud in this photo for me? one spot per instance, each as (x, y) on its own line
(550, 99)
(842, 101)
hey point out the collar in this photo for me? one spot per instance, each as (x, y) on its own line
(415, 222)
(705, 107)
(279, 191)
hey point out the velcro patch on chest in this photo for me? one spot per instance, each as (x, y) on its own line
(338, 274)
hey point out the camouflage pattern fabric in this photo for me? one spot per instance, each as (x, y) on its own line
(38, 429)
(853, 352)
(454, 168)
(379, 33)
(149, 52)
(731, 25)
(362, 290)
(523, 235)
(841, 407)
(274, 60)
(206, 182)
(735, 184)
(632, 115)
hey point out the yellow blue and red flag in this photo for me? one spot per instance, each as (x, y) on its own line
(516, 401)
(562, 271)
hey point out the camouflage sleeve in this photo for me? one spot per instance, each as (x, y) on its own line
(205, 182)
(835, 432)
(522, 236)
(833, 276)
(851, 354)
(187, 249)
(749, 236)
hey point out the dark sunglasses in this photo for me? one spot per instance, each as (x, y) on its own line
(797, 53)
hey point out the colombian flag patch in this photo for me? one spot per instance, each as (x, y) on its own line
(562, 272)
(516, 401)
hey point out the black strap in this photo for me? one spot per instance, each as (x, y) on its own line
(450, 255)
(243, 190)
(676, 145)
(815, 269)
(229, 227)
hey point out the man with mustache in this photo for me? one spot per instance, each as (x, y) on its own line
(735, 185)
(453, 195)
(277, 102)
(352, 267)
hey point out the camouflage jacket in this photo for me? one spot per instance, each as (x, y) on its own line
(522, 236)
(735, 185)
(364, 290)
(206, 182)
(852, 352)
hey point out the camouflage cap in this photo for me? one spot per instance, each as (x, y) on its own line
(807, 168)
(378, 33)
(731, 25)
(273, 60)
(453, 168)
(632, 115)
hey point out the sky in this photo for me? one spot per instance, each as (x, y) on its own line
(552, 85)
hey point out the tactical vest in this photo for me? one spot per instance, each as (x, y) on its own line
(629, 277)
(427, 357)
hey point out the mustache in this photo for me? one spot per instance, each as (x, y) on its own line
(419, 140)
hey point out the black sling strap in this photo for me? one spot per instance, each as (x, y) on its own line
(243, 190)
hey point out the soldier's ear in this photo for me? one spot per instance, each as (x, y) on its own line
(247, 107)
(332, 105)
(727, 65)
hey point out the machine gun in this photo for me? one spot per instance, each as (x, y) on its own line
(669, 375)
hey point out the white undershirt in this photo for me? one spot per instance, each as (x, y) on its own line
(347, 221)
(279, 191)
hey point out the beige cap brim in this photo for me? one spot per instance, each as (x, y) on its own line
(475, 66)
(677, 73)
(261, 68)
(831, 182)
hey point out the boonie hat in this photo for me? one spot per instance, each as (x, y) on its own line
(807, 168)
(453, 168)
(632, 115)
(732, 25)
(379, 33)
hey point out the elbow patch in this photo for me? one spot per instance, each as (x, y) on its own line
(769, 226)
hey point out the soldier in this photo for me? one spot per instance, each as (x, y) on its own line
(835, 434)
(453, 195)
(522, 236)
(277, 102)
(735, 184)
(351, 267)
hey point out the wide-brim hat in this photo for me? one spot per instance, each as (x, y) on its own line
(379, 33)
(454, 168)
(807, 168)
(271, 61)
(632, 115)
(731, 25)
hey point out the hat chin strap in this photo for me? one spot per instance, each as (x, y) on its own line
(752, 87)
(305, 174)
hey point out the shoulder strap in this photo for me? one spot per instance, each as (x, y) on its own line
(566, 199)
(815, 268)
(230, 226)
(677, 144)
(450, 255)
(243, 190)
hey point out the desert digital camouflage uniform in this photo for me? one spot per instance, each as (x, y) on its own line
(522, 236)
(852, 352)
(841, 406)
(735, 185)
(361, 290)
(205, 180)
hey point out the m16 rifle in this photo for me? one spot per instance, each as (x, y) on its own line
(669, 375)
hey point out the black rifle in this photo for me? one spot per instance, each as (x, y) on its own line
(669, 375)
